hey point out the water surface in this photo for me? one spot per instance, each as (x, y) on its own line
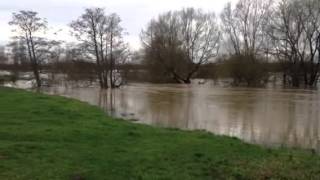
(271, 117)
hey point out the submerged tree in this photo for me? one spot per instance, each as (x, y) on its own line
(246, 40)
(177, 43)
(101, 36)
(89, 28)
(294, 31)
(118, 50)
(28, 24)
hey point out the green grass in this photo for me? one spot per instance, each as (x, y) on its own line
(46, 137)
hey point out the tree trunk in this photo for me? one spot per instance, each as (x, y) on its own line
(111, 62)
(96, 49)
(103, 67)
(284, 80)
(313, 80)
(33, 59)
(295, 80)
(187, 81)
(99, 73)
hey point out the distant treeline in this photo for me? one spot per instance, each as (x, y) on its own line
(245, 42)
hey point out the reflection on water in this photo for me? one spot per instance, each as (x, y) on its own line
(272, 117)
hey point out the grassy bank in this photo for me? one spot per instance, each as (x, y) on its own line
(45, 137)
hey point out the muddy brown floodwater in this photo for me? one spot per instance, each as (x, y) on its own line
(271, 117)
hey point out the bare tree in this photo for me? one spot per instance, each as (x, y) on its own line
(230, 29)
(89, 29)
(118, 50)
(163, 55)
(311, 31)
(181, 42)
(200, 38)
(28, 24)
(244, 26)
(101, 36)
(246, 40)
(294, 30)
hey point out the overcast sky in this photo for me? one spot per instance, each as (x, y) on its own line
(135, 14)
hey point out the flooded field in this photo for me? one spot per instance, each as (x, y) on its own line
(270, 117)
